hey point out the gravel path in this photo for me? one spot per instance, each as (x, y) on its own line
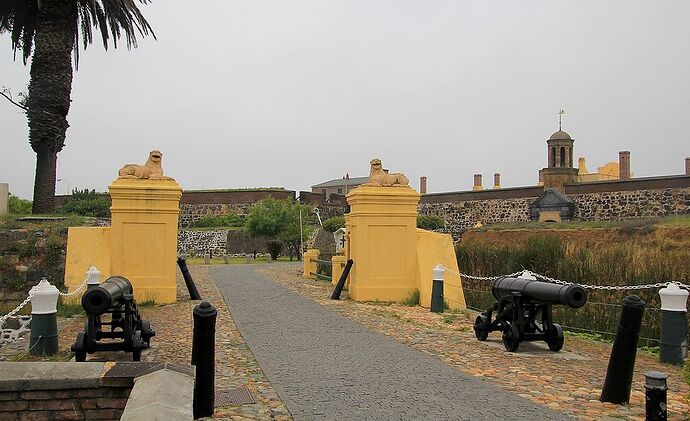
(325, 366)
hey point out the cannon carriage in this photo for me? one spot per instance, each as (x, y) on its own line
(520, 303)
(127, 331)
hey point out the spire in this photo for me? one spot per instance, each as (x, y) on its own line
(560, 120)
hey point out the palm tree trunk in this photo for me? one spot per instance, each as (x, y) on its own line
(50, 88)
(44, 183)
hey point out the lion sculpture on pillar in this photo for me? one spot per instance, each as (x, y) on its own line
(378, 177)
(152, 169)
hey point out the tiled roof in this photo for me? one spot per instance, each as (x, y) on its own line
(352, 181)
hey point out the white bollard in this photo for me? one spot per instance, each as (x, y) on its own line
(44, 339)
(673, 338)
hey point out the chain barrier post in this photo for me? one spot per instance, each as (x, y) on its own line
(673, 340)
(619, 373)
(437, 289)
(44, 337)
(655, 396)
(93, 278)
(203, 357)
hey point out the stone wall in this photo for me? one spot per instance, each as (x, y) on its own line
(190, 213)
(631, 204)
(199, 242)
(459, 216)
(653, 197)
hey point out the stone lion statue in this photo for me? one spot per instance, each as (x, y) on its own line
(152, 169)
(379, 177)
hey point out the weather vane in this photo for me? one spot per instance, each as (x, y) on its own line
(560, 117)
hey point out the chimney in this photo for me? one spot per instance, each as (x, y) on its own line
(477, 182)
(624, 165)
(422, 184)
(497, 180)
(687, 166)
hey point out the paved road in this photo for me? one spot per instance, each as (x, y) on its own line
(325, 366)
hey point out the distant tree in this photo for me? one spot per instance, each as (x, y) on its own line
(279, 220)
(291, 235)
(49, 31)
(334, 223)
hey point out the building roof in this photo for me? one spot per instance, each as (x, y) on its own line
(560, 135)
(352, 181)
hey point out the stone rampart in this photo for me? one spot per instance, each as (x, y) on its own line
(200, 242)
(652, 197)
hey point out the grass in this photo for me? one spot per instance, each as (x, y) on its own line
(413, 299)
(13, 221)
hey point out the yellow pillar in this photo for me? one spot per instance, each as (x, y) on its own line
(338, 267)
(309, 267)
(143, 236)
(382, 242)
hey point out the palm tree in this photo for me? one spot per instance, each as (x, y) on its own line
(49, 31)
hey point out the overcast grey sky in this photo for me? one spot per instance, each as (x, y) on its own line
(292, 93)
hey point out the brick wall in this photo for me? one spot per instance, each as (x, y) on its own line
(102, 403)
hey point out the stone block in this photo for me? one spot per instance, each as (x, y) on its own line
(162, 395)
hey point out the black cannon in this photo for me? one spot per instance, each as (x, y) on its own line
(114, 296)
(520, 302)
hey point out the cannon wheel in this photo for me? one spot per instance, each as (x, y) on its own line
(137, 345)
(79, 348)
(511, 337)
(146, 331)
(481, 327)
(555, 337)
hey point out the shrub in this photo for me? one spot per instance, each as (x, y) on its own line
(334, 223)
(53, 250)
(18, 205)
(430, 222)
(86, 203)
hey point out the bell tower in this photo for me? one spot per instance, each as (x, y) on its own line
(560, 170)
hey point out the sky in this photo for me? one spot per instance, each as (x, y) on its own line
(274, 93)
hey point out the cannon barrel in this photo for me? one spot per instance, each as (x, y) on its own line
(109, 294)
(573, 296)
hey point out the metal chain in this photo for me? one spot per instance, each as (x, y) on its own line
(558, 281)
(16, 310)
(76, 291)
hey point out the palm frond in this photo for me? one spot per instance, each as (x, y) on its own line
(19, 17)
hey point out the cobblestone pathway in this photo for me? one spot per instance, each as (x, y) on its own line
(325, 366)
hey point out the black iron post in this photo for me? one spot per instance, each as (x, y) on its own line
(203, 357)
(622, 361)
(673, 337)
(193, 292)
(655, 395)
(437, 289)
(341, 282)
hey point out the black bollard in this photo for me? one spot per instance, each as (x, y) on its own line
(437, 290)
(622, 361)
(203, 357)
(341, 282)
(655, 396)
(193, 292)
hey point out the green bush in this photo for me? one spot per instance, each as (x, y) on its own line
(227, 220)
(334, 223)
(53, 250)
(86, 203)
(19, 206)
(430, 222)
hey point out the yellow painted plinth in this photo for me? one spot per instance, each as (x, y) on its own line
(140, 244)
(382, 242)
(432, 249)
(309, 267)
(338, 265)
